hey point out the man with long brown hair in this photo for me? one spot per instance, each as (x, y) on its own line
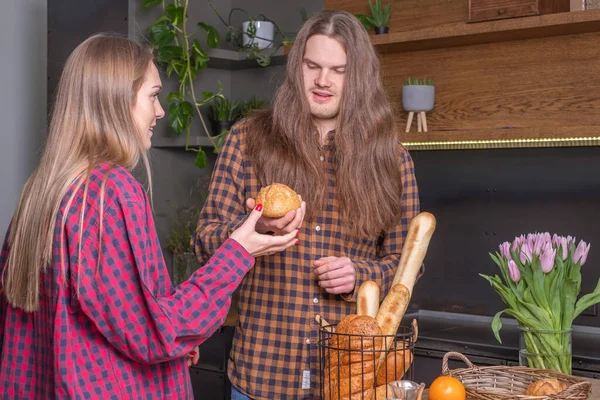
(330, 136)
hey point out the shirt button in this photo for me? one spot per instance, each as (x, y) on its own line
(316, 300)
(307, 341)
(318, 228)
(322, 158)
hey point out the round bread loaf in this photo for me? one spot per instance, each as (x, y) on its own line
(277, 200)
(357, 339)
(545, 387)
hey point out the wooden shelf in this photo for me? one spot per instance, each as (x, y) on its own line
(462, 34)
(233, 60)
(179, 141)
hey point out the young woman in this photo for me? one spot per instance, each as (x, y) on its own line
(87, 309)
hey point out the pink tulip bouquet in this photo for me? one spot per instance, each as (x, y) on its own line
(540, 280)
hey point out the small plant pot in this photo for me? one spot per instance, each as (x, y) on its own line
(381, 30)
(262, 37)
(418, 97)
(220, 126)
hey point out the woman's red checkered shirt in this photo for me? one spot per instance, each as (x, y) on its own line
(125, 334)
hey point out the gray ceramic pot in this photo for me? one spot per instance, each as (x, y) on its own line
(418, 97)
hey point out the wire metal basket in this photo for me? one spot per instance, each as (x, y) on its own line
(348, 363)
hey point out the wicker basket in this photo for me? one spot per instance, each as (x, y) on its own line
(509, 383)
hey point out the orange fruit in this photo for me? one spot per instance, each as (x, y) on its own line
(447, 388)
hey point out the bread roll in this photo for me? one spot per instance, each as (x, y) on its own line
(545, 387)
(277, 200)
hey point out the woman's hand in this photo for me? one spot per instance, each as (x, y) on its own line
(193, 356)
(259, 244)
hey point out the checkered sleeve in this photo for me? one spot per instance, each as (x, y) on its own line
(128, 300)
(224, 210)
(390, 249)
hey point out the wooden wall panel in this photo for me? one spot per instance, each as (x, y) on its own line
(549, 84)
(410, 14)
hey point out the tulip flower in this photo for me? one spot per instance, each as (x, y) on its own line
(564, 248)
(581, 253)
(505, 250)
(526, 253)
(547, 256)
(514, 272)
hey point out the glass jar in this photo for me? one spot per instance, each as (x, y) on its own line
(545, 349)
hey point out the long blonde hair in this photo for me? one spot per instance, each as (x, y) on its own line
(91, 123)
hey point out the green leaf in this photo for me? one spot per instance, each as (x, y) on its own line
(161, 35)
(365, 21)
(569, 295)
(168, 53)
(180, 116)
(175, 14)
(262, 59)
(201, 160)
(174, 96)
(497, 325)
(212, 35)
(200, 57)
(150, 3)
(587, 301)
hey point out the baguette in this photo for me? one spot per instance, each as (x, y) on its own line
(415, 247)
(367, 302)
(390, 314)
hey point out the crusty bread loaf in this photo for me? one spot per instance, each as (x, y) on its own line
(355, 340)
(350, 360)
(545, 387)
(396, 365)
(277, 200)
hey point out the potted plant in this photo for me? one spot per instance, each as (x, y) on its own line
(256, 35)
(183, 228)
(380, 17)
(179, 50)
(418, 95)
(180, 243)
(224, 114)
(252, 104)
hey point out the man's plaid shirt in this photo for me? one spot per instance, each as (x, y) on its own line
(276, 335)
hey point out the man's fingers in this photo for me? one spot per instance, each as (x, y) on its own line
(324, 260)
(250, 203)
(331, 273)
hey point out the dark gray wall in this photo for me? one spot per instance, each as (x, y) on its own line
(23, 105)
(484, 197)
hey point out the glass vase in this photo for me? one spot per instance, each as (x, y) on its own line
(544, 349)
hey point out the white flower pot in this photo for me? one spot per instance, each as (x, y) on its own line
(262, 38)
